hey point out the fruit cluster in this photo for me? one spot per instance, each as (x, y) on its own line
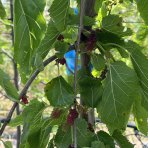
(24, 99)
(61, 61)
(56, 113)
(73, 114)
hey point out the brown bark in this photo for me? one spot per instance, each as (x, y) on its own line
(85, 58)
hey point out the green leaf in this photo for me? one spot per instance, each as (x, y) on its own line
(140, 63)
(89, 21)
(29, 28)
(74, 20)
(121, 140)
(120, 49)
(97, 61)
(98, 5)
(106, 37)
(113, 24)
(61, 48)
(122, 52)
(104, 10)
(33, 124)
(58, 12)
(63, 137)
(40, 136)
(34, 138)
(46, 44)
(37, 137)
(16, 121)
(2, 11)
(60, 119)
(7, 144)
(45, 134)
(70, 34)
(83, 133)
(24, 135)
(59, 92)
(33, 110)
(9, 88)
(97, 144)
(1, 59)
(106, 139)
(118, 96)
(38, 63)
(141, 116)
(142, 7)
(32, 115)
(91, 91)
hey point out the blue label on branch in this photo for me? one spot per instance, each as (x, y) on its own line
(70, 62)
(76, 11)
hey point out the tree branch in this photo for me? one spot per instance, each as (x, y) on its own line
(24, 91)
(5, 53)
(82, 8)
(16, 77)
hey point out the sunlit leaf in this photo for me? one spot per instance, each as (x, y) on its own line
(140, 63)
(141, 116)
(58, 12)
(118, 96)
(142, 7)
(29, 28)
(98, 4)
(2, 11)
(46, 44)
(113, 24)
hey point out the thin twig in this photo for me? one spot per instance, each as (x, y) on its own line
(24, 91)
(16, 75)
(5, 53)
(16, 82)
(82, 5)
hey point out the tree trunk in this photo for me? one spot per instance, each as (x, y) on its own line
(85, 58)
